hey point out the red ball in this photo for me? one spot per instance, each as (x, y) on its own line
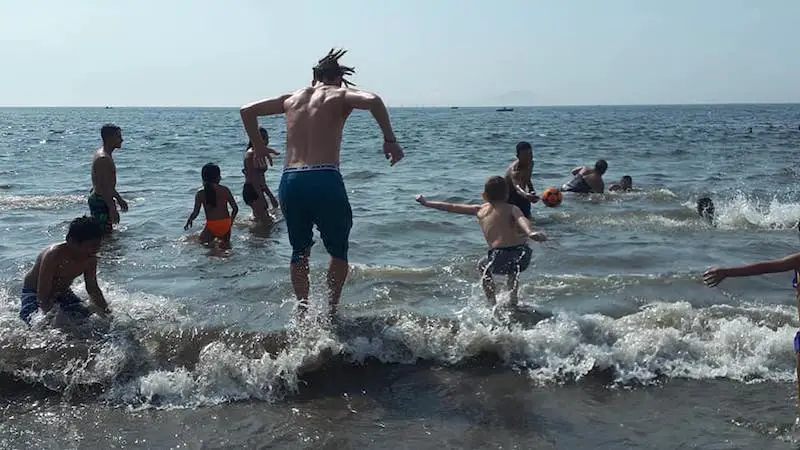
(552, 197)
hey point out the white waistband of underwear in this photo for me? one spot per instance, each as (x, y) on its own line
(311, 168)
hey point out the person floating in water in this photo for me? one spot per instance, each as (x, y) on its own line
(625, 184)
(215, 199)
(47, 284)
(501, 223)
(104, 180)
(311, 190)
(518, 177)
(715, 276)
(587, 179)
(255, 185)
(705, 209)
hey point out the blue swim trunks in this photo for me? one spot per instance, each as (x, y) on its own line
(68, 301)
(506, 260)
(315, 195)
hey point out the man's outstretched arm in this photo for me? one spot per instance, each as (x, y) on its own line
(250, 114)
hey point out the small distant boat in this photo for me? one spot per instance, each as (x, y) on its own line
(454, 107)
(504, 109)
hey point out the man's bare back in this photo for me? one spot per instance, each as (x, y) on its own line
(315, 119)
(322, 109)
(593, 179)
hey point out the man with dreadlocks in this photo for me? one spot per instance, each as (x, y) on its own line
(311, 190)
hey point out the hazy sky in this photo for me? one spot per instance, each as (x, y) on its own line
(412, 52)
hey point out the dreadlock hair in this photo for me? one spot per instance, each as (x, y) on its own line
(329, 68)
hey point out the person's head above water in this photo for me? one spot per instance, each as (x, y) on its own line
(328, 71)
(626, 182)
(495, 190)
(85, 234)
(264, 136)
(111, 135)
(210, 173)
(525, 152)
(601, 166)
(705, 208)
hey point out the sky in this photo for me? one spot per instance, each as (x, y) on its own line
(410, 52)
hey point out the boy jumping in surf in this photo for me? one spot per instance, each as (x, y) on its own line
(215, 199)
(48, 283)
(714, 276)
(501, 223)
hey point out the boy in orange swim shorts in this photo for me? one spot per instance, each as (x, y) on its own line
(215, 199)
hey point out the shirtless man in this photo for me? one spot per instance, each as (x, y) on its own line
(518, 177)
(104, 179)
(588, 180)
(311, 190)
(48, 282)
(506, 232)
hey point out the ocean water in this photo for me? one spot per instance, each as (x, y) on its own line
(618, 344)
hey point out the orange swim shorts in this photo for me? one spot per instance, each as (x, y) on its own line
(219, 228)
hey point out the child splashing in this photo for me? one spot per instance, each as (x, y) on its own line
(215, 199)
(506, 231)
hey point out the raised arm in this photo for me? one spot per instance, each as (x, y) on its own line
(577, 170)
(250, 114)
(470, 210)
(95, 294)
(713, 277)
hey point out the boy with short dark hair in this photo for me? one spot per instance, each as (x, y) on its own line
(501, 223)
(48, 283)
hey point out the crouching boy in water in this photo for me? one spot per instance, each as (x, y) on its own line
(502, 224)
(715, 276)
(48, 282)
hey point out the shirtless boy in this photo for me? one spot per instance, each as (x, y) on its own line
(505, 229)
(48, 282)
(104, 179)
(518, 176)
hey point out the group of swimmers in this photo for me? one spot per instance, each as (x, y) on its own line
(312, 192)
